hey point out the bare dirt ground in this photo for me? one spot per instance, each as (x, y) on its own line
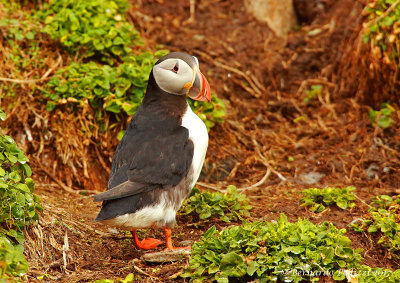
(326, 142)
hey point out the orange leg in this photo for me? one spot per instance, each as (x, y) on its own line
(168, 241)
(145, 244)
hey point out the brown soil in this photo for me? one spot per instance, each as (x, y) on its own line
(263, 81)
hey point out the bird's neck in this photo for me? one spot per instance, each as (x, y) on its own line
(159, 101)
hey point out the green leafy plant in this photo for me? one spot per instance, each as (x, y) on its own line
(18, 205)
(383, 219)
(20, 49)
(114, 89)
(227, 207)
(383, 29)
(318, 199)
(313, 92)
(92, 27)
(382, 117)
(16, 29)
(368, 274)
(278, 251)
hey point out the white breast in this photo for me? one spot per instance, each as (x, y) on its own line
(199, 136)
(161, 214)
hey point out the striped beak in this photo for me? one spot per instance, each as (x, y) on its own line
(200, 89)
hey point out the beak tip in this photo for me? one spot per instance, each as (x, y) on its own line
(208, 93)
(205, 92)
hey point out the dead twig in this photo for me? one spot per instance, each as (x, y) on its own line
(51, 69)
(101, 160)
(18, 81)
(208, 186)
(360, 199)
(266, 163)
(253, 82)
(259, 183)
(240, 73)
(60, 183)
(55, 210)
(65, 250)
(143, 272)
(308, 82)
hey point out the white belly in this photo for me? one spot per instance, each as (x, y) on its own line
(161, 214)
(158, 215)
(199, 136)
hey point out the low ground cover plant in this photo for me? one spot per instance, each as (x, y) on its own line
(230, 206)
(317, 199)
(383, 219)
(382, 29)
(19, 206)
(20, 48)
(114, 89)
(368, 274)
(279, 251)
(94, 27)
(382, 117)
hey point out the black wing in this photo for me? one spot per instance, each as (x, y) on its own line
(149, 156)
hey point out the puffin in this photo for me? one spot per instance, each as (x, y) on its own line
(160, 157)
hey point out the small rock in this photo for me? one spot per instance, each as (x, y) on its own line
(166, 256)
(311, 178)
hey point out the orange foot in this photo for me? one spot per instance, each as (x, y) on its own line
(146, 244)
(168, 241)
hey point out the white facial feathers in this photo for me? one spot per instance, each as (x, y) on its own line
(197, 61)
(172, 74)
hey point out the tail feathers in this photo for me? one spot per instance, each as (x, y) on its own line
(121, 206)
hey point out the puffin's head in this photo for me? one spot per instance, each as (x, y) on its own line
(178, 73)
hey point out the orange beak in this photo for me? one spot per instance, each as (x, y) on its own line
(200, 89)
(205, 93)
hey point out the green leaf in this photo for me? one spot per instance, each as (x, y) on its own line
(2, 115)
(129, 278)
(211, 231)
(384, 122)
(339, 275)
(232, 265)
(50, 106)
(30, 35)
(113, 107)
(296, 249)
(23, 187)
(252, 268)
(27, 169)
(120, 134)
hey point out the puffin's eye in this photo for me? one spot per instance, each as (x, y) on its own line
(175, 69)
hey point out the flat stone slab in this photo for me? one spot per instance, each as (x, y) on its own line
(166, 256)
